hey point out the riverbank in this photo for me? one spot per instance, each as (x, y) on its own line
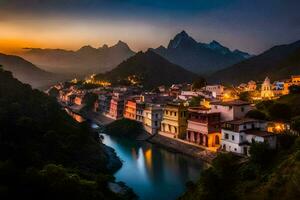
(172, 144)
(181, 147)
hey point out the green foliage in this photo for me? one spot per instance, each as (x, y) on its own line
(295, 124)
(286, 140)
(125, 128)
(249, 172)
(245, 96)
(256, 114)
(195, 101)
(294, 89)
(151, 69)
(34, 132)
(261, 154)
(198, 83)
(264, 105)
(279, 111)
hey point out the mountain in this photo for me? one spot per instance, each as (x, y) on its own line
(26, 71)
(44, 153)
(277, 63)
(86, 60)
(199, 57)
(150, 70)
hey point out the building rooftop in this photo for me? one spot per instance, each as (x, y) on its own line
(242, 121)
(231, 103)
(259, 133)
(198, 109)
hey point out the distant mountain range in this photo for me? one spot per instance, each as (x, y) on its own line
(26, 71)
(86, 60)
(150, 70)
(277, 63)
(199, 57)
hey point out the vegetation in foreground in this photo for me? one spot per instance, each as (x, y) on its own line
(125, 128)
(267, 175)
(44, 153)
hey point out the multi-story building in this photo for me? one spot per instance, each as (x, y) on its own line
(204, 127)
(130, 109)
(237, 135)
(231, 110)
(140, 106)
(116, 106)
(174, 122)
(251, 86)
(152, 118)
(104, 103)
(294, 80)
(216, 90)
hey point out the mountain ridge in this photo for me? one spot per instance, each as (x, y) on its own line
(143, 66)
(199, 57)
(278, 62)
(25, 71)
(85, 60)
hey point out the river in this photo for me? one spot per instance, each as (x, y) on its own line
(154, 173)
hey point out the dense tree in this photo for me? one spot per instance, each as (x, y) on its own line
(256, 114)
(198, 83)
(245, 96)
(279, 111)
(35, 132)
(195, 101)
(125, 128)
(260, 153)
(294, 89)
(295, 124)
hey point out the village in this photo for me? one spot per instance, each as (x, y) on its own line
(212, 118)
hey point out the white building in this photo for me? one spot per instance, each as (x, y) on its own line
(152, 118)
(216, 90)
(231, 110)
(266, 89)
(237, 135)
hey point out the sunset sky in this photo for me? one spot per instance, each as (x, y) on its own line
(249, 25)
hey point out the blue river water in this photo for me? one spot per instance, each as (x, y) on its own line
(154, 173)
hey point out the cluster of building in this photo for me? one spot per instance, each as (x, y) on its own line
(270, 90)
(217, 123)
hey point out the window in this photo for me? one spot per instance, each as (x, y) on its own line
(155, 123)
(156, 115)
(242, 109)
(175, 113)
(245, 126)
(232, 137)
(226, 136)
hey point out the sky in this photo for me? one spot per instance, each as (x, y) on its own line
(248, 25)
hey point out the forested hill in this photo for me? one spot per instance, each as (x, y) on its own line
(277, 63)
(150, 70)
(27, 72)
(44, 153)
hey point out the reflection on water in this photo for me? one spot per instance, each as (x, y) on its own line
(153, 172)
(77, 117)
